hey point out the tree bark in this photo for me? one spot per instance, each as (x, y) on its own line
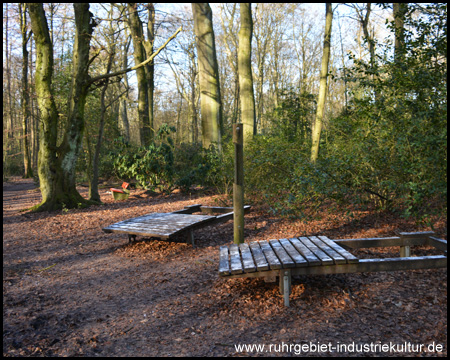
(124, 124)
(49, 169)
(323, 85)
(139, 56)
(150, 69)
(399, 10)
(210, 99)
(28, 171)
(247, 97)
(10, 124)
(56, 166)
(73, 136)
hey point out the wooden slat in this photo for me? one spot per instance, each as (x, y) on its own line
(324, 258)
(188, 209)
(268, 252)
(247, 259)
(440, 244)
(337, 258)
(258, 256)
(215, 209)
(350, 258)
(224, 264)
(161, 225)
(221, 218)
(312, 259)
(293, 253)
(416, 234)
(284, 257)
(235, 260)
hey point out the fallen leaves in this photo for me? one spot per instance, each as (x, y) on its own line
(100, 294)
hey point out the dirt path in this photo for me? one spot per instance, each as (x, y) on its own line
(71, 290)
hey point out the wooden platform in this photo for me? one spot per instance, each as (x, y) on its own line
(165, 226)
(320, 255)
(282, 254)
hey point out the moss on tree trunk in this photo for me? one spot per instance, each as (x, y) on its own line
(56, 166)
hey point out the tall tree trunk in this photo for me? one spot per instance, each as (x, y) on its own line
(399, 10)
(10, 124)
(93, 184)
(323, 85)
(139, 56)
(56, 166)
(261, 58)
(74, 133)
(247, 97)
(49, 168)
(210, 100)
(364, 20)
(25, 92)
(34, 121)
(150, 69)
(124, 124)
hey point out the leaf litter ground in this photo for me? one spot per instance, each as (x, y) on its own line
(69, 289)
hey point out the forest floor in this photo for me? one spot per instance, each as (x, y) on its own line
(69, 289)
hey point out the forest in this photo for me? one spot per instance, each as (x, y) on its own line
(350, 105)
(342, 111)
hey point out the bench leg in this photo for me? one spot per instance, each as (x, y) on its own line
(285, 285)
(405, 251)
(190, 235)
(131, 236)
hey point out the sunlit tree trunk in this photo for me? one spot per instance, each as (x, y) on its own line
(142, 83)
(246, 94)
(210, 100)
(25, 92)
(56, 166)
(49, 167)
(323, 85)
(150, 69)
(145, 75)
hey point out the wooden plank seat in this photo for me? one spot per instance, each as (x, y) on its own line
(320, 255)
(165, 226)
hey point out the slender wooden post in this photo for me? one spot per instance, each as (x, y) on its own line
(238, 186)
(285, 285)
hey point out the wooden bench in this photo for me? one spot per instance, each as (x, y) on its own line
(165, 226)
(319, 255)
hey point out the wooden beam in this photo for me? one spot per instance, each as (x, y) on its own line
(440, 244)
(381, 242)
(372, 265)
(215, 209)
(364, 265)
(416, 234)
(190, 209)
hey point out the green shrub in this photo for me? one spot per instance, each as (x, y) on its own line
(152, 166)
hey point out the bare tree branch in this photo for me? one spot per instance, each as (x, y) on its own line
(117, 73)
